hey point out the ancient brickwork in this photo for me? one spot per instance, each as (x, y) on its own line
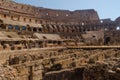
(49, 14)
(46, 44)
(65, 64)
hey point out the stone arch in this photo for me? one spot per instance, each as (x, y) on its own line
(17, 27)
(40, 29)
(23, 27)
(107, 40)
(10, 26)
(34, 29)
(29, 28)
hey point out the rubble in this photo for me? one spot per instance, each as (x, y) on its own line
(47, 44)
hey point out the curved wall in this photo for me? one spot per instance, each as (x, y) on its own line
(49, 14)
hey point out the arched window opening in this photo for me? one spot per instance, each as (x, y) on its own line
(29, 29)
(24, 19)
(34, 29)
(2, 26)
(11, 17)
(73, 30)
(10, 27)
(17, 28)
(30, 20)
(23, 27)
(40, 30)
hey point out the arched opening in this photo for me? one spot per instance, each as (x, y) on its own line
(34, 29)
(73, 30)
(17, 28)
(23, 27)
(107, 40)
(28, 28)
(40, 30)
(10, 27)
(2, 26)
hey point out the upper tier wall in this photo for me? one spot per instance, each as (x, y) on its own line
(50, 14)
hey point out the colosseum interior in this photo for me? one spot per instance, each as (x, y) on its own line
(46, 44)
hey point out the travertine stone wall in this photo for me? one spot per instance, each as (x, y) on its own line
(49, 14)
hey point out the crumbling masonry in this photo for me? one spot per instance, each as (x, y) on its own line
(45, 44)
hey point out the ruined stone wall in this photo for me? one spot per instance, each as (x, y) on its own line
(112, 37)
(51, 63)
(70, 16)
(65, 64)
(50, 15)
(104, 65)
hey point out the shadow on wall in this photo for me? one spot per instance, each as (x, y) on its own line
(107, 40)
(76, 74)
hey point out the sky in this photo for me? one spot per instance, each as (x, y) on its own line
(104, 8)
